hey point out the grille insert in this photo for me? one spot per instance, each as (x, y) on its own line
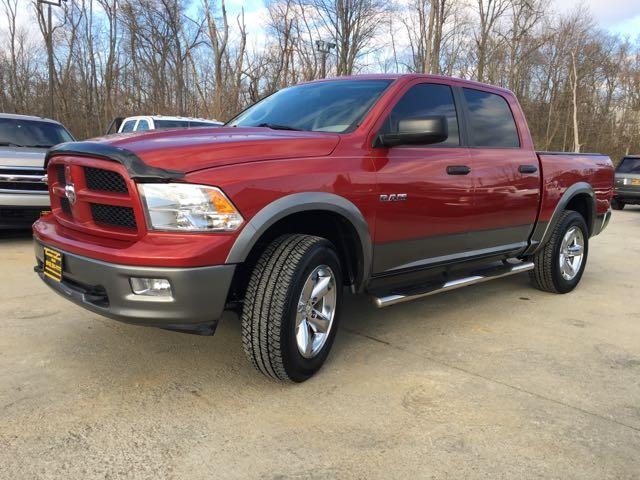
(115, 216)
(65, 206)
(60, 175)
(104, 180)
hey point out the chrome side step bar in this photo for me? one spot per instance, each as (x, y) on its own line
(400, 297)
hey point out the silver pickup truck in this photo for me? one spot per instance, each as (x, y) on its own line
(24, 141)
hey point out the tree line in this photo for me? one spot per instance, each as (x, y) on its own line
(578, 84)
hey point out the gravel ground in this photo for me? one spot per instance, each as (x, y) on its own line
(493, 381)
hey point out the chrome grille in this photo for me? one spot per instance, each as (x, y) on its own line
(23, 179)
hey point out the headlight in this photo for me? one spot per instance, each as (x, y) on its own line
(188, 207)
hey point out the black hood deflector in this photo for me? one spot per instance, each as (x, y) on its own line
(135, 167)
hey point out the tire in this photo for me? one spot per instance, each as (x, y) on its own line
(617, 204)
(547, 274)
(271, 314)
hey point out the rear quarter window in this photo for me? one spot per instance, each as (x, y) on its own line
(165, 124)
(491, 120)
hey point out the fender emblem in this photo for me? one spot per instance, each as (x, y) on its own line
(394, 197)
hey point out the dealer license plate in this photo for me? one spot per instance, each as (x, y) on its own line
(52, 264)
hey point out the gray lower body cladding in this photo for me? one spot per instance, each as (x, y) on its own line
(198, 299)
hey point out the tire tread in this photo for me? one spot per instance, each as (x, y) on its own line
(544, 260)
(266, 301)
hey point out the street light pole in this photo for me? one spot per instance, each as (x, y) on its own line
(324, 48)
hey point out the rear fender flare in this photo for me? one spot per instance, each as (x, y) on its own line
(301, 202)
(543, 231)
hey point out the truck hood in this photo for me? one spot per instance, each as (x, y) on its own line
(188, 150)
(22, 157)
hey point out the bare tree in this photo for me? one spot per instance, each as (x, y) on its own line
(489, 13)
(352, 25)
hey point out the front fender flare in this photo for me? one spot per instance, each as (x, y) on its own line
(302, 202)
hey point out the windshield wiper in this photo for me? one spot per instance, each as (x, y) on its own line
(275, 126)
(37, 146)
(10, 144)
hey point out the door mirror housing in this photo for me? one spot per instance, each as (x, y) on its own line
(416, 131)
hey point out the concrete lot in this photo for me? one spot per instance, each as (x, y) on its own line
(495, 381)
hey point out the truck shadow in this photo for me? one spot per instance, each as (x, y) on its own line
(101, 351)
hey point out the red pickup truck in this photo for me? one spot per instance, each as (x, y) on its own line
(395, 186)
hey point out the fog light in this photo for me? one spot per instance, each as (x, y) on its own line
(151, 287)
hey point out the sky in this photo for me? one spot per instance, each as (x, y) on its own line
(617, 16)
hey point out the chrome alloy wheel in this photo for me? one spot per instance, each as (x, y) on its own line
(571, 253)
(316, 310)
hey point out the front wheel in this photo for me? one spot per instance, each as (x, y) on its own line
(292, 307)
(559, 265)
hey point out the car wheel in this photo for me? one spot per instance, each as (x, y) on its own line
(617, 204)
(560, 263)
(292, 307)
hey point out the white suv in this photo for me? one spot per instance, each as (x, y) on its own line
(142, 123)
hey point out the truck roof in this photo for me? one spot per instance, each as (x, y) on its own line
(15, 116)
(164, 117)
(396, 76)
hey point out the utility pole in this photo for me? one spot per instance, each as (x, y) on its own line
(49, 42)
(324, 48)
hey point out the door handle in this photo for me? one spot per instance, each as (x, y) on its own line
(458, 170)
(527, 169)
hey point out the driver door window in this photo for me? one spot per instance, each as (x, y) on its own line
(423, 100)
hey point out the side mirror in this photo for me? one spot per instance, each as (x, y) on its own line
(416, 131)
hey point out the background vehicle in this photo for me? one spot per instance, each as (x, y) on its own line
(157, 122)
(627, 183)
(397, 186)
(24, 141)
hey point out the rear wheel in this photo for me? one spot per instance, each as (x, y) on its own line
(617, 204)
(559, 265)
(292, 306)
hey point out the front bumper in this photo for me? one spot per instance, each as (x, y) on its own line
(20, 210)
(25, 200)
(631, 196)
(198, 300)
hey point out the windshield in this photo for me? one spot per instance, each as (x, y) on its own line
(31, 133)
(334, 106)
(629, 165)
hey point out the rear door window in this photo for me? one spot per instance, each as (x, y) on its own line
(142, 126)
(424, 100)
(491, 121)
